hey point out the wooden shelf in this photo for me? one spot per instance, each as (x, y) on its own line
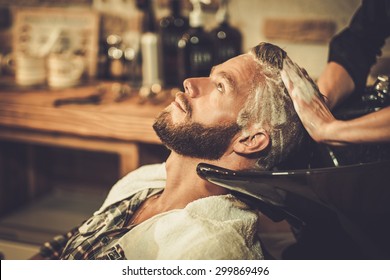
(122, 128)
(127, 121)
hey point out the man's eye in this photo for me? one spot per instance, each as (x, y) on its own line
(220, 87)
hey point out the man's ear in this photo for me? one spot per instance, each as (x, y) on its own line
(255, 142)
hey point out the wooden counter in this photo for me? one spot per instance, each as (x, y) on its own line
(30, 116)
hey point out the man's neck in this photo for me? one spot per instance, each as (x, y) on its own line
(183, 184)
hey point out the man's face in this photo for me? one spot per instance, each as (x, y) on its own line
(202, 121)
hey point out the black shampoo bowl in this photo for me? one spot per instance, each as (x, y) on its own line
(336, 212)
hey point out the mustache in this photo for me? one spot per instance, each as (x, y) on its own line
(184, 102)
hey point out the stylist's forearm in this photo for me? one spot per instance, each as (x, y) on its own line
(374, 127)
(335, 83)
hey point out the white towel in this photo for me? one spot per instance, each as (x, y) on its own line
(215, 227)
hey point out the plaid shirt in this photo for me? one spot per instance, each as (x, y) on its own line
(94, 239)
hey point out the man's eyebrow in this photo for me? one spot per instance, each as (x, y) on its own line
(227, 77)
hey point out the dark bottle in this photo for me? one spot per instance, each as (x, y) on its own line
(133, 59)
(171, 30)
(227, 40)
(102, 60)
(195, 48)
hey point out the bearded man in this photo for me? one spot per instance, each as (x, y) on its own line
(240, 117)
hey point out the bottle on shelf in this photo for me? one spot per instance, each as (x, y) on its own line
(102, 60)
(115, 61)
(227, 40)
(171, 29)
(150, 50)
(195, 47)
(132, 58)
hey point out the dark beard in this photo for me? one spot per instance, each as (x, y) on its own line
(194, 139)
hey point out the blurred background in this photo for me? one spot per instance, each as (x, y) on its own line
(82, 80)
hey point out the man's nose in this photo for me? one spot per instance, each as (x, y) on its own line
(194, 86)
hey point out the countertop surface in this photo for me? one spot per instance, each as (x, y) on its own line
(101, 109)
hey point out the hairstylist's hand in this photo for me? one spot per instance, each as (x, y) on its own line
(308, 102)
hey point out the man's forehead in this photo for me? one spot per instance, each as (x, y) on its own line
(246, 58)
(238, 64)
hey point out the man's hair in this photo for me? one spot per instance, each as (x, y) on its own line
(270, 107)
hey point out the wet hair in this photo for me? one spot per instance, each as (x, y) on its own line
(270, 107)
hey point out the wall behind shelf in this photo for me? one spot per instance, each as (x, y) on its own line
(249, 16)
